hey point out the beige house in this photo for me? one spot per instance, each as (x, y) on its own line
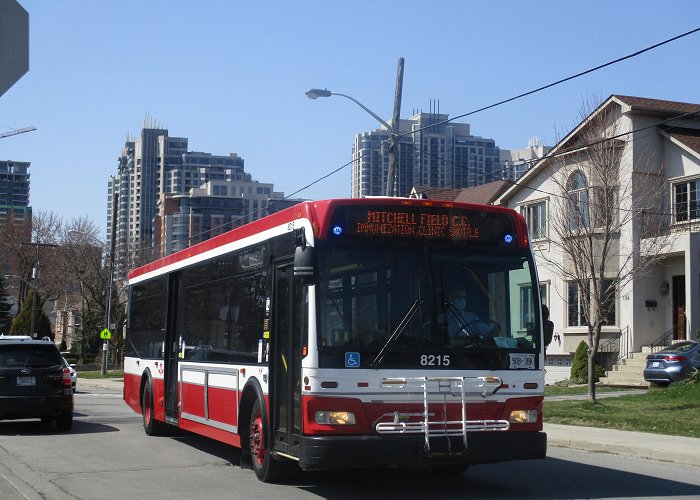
(658, 142)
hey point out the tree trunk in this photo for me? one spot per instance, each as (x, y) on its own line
(591, 376)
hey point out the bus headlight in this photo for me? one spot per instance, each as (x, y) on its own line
(335, 417)
(523, 417)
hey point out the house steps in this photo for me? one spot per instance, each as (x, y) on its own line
(628, 372)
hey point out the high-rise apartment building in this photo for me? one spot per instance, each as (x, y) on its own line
(156, 168)
(15, 212)
(430, 153)
(515, 162)
(214, 208)
(14, 192)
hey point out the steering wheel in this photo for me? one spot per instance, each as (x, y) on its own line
(483, 327)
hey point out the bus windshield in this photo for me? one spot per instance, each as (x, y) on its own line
(389, 302)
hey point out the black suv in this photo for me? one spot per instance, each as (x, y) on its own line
(34, 381)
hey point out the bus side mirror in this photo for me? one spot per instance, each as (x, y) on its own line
(304, 257)
(548, 331)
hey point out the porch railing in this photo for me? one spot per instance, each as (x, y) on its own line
(664, 341)
(616, 348)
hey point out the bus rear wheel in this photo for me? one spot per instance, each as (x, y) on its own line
(267, 468)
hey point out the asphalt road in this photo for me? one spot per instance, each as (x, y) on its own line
(108, 456)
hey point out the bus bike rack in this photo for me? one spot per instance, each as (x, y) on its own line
(421, 423)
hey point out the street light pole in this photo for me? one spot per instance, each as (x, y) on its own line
(393, 128)
(394, 144)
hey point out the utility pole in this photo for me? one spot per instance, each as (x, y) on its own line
(395, 126)
(35, 275)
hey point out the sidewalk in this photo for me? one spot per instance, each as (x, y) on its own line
(676, 449)
(91, 384)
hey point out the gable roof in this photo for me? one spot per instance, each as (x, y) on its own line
(435, 193)
(484, 194)
(657, 105)
(689, 138)
(630, 104)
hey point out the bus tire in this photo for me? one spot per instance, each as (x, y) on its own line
(267, 468)
(150, 424)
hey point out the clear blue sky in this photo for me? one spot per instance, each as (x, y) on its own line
(231, 75)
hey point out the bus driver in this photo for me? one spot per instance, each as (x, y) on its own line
(461, 320)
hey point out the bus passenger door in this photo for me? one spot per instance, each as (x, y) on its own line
(172, 351)
(285, 337)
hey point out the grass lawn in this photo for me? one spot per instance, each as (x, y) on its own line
(673, 410)
(558, 390)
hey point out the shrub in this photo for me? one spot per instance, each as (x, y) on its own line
(579, 366)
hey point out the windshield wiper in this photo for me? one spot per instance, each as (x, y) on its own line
(457, 316)
(399, 330)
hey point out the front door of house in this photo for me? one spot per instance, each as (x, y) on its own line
(678, 297)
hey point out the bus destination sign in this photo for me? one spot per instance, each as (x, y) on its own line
(422, 223)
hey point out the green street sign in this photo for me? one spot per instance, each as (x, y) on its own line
(105, 334)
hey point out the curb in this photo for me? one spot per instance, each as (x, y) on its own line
(675, 449)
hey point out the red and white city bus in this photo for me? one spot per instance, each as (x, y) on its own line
(325, 336)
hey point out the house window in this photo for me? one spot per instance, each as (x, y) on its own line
(525, 306)
(605, 211)
(577, 193)
(576, 306)
(544, 294)
(609, 310)
(686, 196)
(526, 303)
(575, 302)
(535, 215)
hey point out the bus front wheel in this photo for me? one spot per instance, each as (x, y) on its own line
(150, 424)
(267, 468)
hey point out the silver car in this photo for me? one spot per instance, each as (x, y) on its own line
(73, 374)
(675, 362)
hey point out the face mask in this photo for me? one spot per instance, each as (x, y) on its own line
(460, 302)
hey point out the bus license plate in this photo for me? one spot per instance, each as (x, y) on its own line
(522, 361)
(26, 381)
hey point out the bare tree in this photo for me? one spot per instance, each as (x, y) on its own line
(16, 259)
(83, 266)
(23, 244)
(606, 219)
(46, 230)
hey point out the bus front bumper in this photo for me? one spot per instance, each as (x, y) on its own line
(341, 452)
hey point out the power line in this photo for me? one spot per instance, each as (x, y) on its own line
(484, 108)
(547, 156)
(558, 82)
(564, 152)
(519, 96)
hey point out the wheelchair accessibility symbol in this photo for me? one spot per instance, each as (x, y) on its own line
(352, 360)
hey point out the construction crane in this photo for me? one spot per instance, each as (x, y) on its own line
(17, 131)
